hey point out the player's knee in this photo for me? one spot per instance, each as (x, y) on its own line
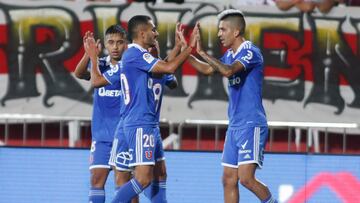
(160, 171)
(228, 181)
(247, 182)
(98, 179)
(160, 174)
(122, 178)
(144, 181)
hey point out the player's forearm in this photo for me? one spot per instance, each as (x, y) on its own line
(284, 4)
(172, 54)
(171, 66)
(81, 71)
(200, 66)
(95, 73)
(223, 69)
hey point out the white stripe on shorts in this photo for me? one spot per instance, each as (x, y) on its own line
(256, 143)
(139, 147)
(112, 160)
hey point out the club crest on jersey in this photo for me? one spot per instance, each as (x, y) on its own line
(148, 154)
(148, 58)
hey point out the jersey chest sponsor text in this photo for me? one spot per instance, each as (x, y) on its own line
(102, 92)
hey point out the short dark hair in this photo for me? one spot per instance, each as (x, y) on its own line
(116, 29)
(134, 23)
(235, 16)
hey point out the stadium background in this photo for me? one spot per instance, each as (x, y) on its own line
(311, 75)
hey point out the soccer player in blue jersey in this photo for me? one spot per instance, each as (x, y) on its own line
(104, 74)
(247, 132)
(156, 191)
(139, 112)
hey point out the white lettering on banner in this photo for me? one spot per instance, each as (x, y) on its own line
(108, 93)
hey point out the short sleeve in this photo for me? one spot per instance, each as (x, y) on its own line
(249, 57)
(145, 61)
(112, 75)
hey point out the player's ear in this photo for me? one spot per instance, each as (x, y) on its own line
(142, 34)
(236, 33)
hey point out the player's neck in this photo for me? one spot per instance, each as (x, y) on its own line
(141, 43)
(237, 43)
(114, 61)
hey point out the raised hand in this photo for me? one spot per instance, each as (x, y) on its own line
(155, 51)
(99, 47)
(199, 48)
(179, 36)
(86, 36)
(194, 35)
(92, 48)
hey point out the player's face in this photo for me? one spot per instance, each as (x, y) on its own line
(151, 34)
(226, 33)
(115, 44)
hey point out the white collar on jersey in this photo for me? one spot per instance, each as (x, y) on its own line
(246, 44)
(108, 63)
(137, 46)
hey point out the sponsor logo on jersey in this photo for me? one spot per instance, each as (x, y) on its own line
(244, 151)
(108, 93)
(148, 154)
(244, 145)
(247, 156)
(148, 58)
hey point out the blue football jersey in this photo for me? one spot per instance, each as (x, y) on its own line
(107, 103)
(138, 96)
(158, 89)
(245, 87)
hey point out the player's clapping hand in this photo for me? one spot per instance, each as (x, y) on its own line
(179, 36)
(86, 36)
(194, 35)
(155, 50)
(199, 48)
(92, 47)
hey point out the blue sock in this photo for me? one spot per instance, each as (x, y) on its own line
(127, 191)
(270, 199)
(156, 192)
(148, 192)
(97, 195)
